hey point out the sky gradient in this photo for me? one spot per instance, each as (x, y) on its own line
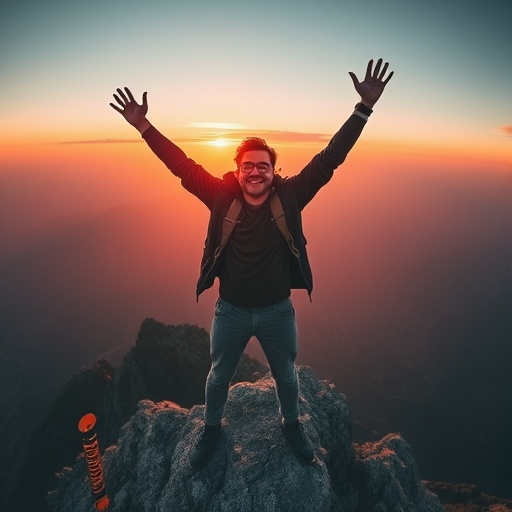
(216, 72)
(274, 67)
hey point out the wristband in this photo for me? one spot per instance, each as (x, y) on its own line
(360, 114)
(364, 109)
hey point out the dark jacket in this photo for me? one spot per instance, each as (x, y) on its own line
(294, 192)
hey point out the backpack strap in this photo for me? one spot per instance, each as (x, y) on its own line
(279, 218)
(228, 224)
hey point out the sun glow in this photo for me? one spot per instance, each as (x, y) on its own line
(220, 143)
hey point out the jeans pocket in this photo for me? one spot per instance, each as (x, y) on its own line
(222, 307)
(285, 308)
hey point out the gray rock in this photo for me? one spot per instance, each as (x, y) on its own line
(253, 468)
(388, 478)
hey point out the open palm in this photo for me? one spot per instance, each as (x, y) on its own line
(371, 88)
(129, 108)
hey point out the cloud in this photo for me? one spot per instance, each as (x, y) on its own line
(505, 130)
(271, 136)
(229, 135)
(101, 141)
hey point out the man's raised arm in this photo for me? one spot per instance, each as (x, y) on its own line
(193, 176)
(321, 168)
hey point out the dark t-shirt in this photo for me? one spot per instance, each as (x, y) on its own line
(254, 269)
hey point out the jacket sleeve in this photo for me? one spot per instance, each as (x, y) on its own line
(193, 176)
(322, 166)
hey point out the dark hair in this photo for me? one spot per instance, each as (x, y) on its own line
(254, 144)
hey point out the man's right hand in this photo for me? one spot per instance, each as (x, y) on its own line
(134, 113)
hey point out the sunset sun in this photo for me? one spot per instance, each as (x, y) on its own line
(220, 143)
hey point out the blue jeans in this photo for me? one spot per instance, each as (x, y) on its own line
(232, 328)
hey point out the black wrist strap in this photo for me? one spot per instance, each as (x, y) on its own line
(364, 109)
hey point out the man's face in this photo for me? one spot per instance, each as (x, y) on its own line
(256, 182)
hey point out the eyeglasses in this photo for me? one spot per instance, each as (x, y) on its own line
(261, 167)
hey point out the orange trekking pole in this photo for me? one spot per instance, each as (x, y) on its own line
(86, 426)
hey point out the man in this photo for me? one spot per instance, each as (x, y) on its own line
(256, 247)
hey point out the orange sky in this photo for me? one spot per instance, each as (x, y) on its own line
(43, 181)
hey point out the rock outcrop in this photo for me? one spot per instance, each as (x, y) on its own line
(467, 498)
(168, 362)
(253, 468)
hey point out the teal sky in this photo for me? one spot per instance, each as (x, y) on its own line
(268, 65)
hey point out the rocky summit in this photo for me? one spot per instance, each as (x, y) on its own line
(252, 468)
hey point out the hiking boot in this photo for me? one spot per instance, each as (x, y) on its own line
(301, 444)
(204, 446)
